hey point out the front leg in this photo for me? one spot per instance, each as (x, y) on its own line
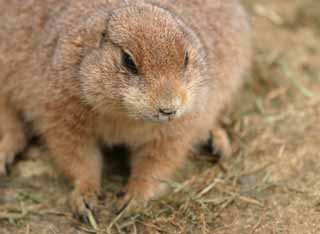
(76, 153)
(153, 166)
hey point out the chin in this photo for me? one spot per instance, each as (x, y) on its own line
(159, 119)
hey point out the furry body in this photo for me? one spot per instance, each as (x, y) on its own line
(60, 64)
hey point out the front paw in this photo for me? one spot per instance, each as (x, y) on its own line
(219, 143)
(130, 203)
(137, 197)
(84, 205)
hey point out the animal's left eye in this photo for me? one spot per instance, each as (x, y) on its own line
(128, 63)
(186, 59)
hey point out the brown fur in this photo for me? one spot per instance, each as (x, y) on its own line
(58, 71)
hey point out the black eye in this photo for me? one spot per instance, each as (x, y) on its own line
(104, 35)
(128, 63)
(186, 59)
(103, 38)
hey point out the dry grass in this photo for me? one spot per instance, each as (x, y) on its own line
(271, 185)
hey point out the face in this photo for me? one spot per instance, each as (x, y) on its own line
(149, 66)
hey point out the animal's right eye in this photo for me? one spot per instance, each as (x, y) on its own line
(186, 60)
(128, 63)
(104, 35)
(103, 38)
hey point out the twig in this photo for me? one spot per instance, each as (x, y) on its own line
(255, 228)
(90, 231)
(117, 218)
(207, 189)
(28, 229)
(92, 221)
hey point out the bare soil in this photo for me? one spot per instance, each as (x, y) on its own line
(271, 185)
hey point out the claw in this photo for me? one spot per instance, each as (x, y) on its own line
(3, 169)
(6, 160)
(84, 207)
(131, 203)
(120, 194)
(8, 168)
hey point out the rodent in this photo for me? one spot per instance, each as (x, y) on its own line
(154, 75)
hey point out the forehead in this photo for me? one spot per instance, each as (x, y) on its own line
(153, 36)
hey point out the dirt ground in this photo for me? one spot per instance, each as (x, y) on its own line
(271, 185)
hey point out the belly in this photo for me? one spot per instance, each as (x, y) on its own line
(118, 131)
(121, 131)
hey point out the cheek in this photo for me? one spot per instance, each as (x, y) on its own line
(193, 92)
(135, 101)
(91, 91)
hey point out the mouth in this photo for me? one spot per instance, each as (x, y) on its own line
(159, 118)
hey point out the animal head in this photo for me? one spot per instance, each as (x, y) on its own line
(148, 66)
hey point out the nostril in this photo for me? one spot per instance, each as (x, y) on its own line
(167, 112)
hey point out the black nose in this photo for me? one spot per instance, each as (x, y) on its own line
(167, 112)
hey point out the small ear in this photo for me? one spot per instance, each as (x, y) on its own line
(92, 29)
(75, 41)
(95, 30)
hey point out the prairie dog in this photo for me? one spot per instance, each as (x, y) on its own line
(154, 75)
